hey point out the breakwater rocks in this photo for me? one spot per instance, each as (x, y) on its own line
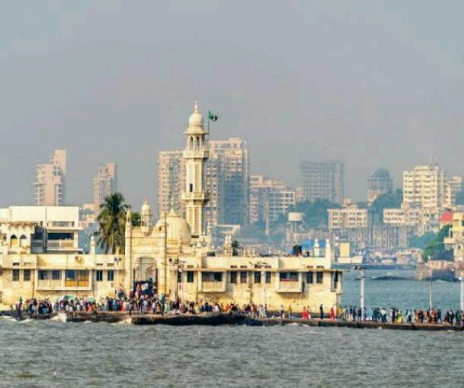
(216, 319)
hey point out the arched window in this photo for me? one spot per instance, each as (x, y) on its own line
(13, 241)
(23, 241)
(198, 143)
(191, 143)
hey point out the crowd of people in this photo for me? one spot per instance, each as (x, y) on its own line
(140, 303)
(395, 315)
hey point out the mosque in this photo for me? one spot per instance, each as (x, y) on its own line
(173, 255)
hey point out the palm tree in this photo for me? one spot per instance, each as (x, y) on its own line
(112, 220)
(136, 219)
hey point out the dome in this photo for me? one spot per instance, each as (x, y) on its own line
(146, 207)
(196, 118)
(178, 228)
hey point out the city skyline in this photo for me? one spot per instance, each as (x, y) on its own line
(384, 91)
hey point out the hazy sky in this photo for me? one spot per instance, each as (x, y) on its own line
(371, 83)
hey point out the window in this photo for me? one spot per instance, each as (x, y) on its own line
(179, 277)
(268, 277)
(99, 275)
(110, 276)
(217, 276)
(257, 277)
(27, 275)
(289, 276)
(243, 277)
(309, 278)
(319, 277)
(190, 277)
(56, 275)
(43, 275)
(233, 277)
(16, 275)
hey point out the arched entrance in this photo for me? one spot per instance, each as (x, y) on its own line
(145, 273)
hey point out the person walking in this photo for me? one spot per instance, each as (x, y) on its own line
(321, 312)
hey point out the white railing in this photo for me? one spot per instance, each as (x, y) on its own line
(289, 286)
(213, 286)
(60, 244)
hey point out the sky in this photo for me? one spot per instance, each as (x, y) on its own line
(370, 83)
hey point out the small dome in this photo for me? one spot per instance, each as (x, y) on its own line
(196, 118)
(146, 208)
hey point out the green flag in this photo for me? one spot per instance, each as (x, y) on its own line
(212, 116)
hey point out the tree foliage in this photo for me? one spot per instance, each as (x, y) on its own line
(112, 222)
(435, 249)
(316, 215)
(460, 198)
(136, 219)
(421, 241)
(390, 200)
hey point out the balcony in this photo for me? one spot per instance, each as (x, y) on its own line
(48, 284)
(60, 244)
(195, 196)
(213, 287)
(289, 286)
(198, 154)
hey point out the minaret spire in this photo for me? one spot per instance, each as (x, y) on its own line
(195, 156)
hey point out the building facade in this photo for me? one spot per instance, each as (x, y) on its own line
(229, 163)
(348, 217)
(49, 187)
(104, 184)
(427, 187)
(323, 180)
(171, 181)
(269, 199)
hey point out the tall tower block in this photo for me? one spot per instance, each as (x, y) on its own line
(195, 156)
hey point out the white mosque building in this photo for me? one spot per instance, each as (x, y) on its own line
(174, 255)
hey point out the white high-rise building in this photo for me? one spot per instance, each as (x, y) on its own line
(195, 156)
(104, 184)
(426, 187)
(49, 188)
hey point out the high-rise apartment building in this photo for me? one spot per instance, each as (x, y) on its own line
(378, 183)
(230, 191)
(269, 199)
(49, 187)
(427, 187)
(227, 182)
(322, 180)
(171, 181)
(104, 184)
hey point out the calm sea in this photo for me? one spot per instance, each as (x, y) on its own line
(57, 354)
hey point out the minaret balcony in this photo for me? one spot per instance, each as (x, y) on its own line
(195, 196)
(196, 154)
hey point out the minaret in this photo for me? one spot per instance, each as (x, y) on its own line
(145, 218)
(195, 156)
(128, 273)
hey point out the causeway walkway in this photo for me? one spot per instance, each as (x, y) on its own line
(215, 319)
